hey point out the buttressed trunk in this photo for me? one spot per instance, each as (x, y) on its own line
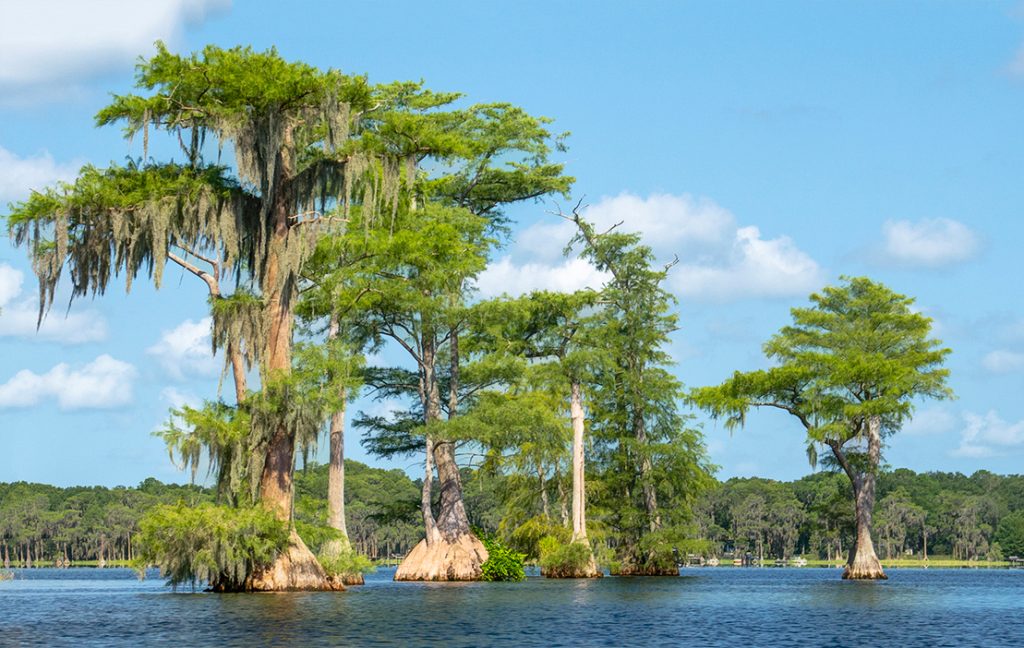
(450, 551)
(862, 563)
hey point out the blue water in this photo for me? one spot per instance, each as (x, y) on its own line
(704, 607)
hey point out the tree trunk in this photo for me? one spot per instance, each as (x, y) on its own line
(862, 563)
(237, 372)
(296, 568)
(450, 551)
(336, 477)
(545, 505)
(579, 515)
(579, 489)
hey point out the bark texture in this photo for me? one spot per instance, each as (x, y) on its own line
(296, 569)
(579, 515)
(450, 551)
(863, 563)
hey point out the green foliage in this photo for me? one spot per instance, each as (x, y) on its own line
(558, 557)
(218, 545)
(333, 550)
(381, 509)
(860, 351)
(222, 431)
(529, 537)
(1010, 534)
(503, 563)
(650, 463)
(345, 562)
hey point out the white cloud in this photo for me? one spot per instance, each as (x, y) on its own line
(21, 175)
(985, 435)
(666, 220)
(719, 260)
(48, 46)
(753, 267)
(186, 350)
(104, 383)
(18, 316)
(10, 284)
(928, 243)
(931, 421)
(177, 398)
(1003, 361)
(505, 277)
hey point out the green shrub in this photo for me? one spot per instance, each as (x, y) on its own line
(503, 563)
(341, 563)
(218, 545)
(315, 536)
(559, 558)
(333, 551)
(527, 536)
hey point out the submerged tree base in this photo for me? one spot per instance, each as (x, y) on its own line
(867, 569)
(646, 570)
(444, 560)
(573, 560)
(863, 563)
(589, 570)
(295, 569)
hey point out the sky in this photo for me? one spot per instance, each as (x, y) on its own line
(774, 147)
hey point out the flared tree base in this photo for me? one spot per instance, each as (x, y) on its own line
(296, 569)
(444, 560)
(864, 566)
(864, 570)
(352, 579)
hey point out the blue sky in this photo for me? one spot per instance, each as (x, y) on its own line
(773, 146)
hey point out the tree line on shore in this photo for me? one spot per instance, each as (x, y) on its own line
(950, 515)
(357, 217)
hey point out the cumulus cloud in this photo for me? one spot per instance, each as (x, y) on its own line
(19, 314)
(1003, 361)
(719, 259)
(928, 243)
(104, 383)
(49, 46)
(506, 277)
(931, 421)
(988, 435)
(185, 350)
(20, 175)
(753, 267)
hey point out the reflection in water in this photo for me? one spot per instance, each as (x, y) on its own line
(713, 606)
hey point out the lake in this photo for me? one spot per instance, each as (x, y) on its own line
(704, 607)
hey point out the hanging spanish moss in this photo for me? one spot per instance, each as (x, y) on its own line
(238, 323)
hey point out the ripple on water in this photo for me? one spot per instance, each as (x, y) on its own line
(723, 606)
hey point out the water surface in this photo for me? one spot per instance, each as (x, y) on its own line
(703, 607)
